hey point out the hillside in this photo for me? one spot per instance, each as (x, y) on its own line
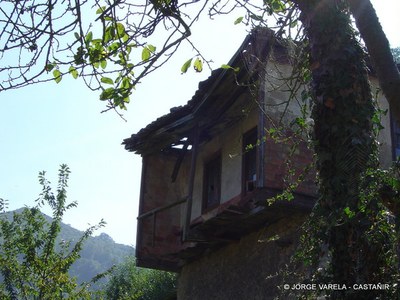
(98, 254)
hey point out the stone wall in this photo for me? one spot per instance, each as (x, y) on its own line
(248, 269)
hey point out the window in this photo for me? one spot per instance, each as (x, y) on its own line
(212, 183)
(250, 160)
(396, 138)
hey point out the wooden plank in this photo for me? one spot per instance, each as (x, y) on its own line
(180, 160)
(189, 201)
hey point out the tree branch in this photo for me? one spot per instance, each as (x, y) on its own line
(379, 50)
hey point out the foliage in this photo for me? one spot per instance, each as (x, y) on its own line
(110, 44)
(3, 204)
(348, 239)
(30, 265)
(377, 214)
(98, 254)
(396, 54)
(129, 282)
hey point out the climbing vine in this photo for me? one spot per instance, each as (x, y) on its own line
(350, 240)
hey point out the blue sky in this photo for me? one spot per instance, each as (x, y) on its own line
(46, 125)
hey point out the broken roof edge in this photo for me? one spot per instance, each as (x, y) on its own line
(205, 89)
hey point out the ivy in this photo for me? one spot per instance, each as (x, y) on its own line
(352, 234)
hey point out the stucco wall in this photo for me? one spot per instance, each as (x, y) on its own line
(160, 233)
(248, 269)
(229, 144)
(384, 137)
(281, 112)
(276, 103)
(277, 94)
(158, 189)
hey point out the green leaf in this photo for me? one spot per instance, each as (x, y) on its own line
(107, 94)
(106, 80)
(227, 67)
(77, 36)
(238, 20)
(349, 213)
(151, 48)
(97, 42)
(49, 67)
(128, 49)
(278, 6)
(198, 65)
(301, 122)
(146, 54)
(73, 72)
(120, 29)
(100, 10)
(103, 64)
(122, 58)
(89, 37)
(126, 84)
(113, 47)
(109, 34)
(57, 75)
(118, 79)
(186, 65)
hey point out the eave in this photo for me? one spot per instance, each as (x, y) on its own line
(210, 101)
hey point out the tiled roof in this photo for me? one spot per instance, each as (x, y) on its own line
(181, 115)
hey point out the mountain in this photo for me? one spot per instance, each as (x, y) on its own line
(99, 253)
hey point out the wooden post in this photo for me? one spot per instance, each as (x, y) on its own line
(188, 211)
(261, 134)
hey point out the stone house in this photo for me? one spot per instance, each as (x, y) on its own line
(210, 166)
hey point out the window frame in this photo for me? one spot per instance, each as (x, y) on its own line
(249, 137)
(394, 133)
(212, 165)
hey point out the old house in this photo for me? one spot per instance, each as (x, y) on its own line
(209, 168)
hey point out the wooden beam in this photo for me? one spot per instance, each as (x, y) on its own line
(189, 202)
(161, 208)
(180, 160)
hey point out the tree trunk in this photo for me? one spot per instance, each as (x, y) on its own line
(344, 144)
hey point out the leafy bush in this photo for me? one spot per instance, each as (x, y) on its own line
(33, 265)
(129, 282)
